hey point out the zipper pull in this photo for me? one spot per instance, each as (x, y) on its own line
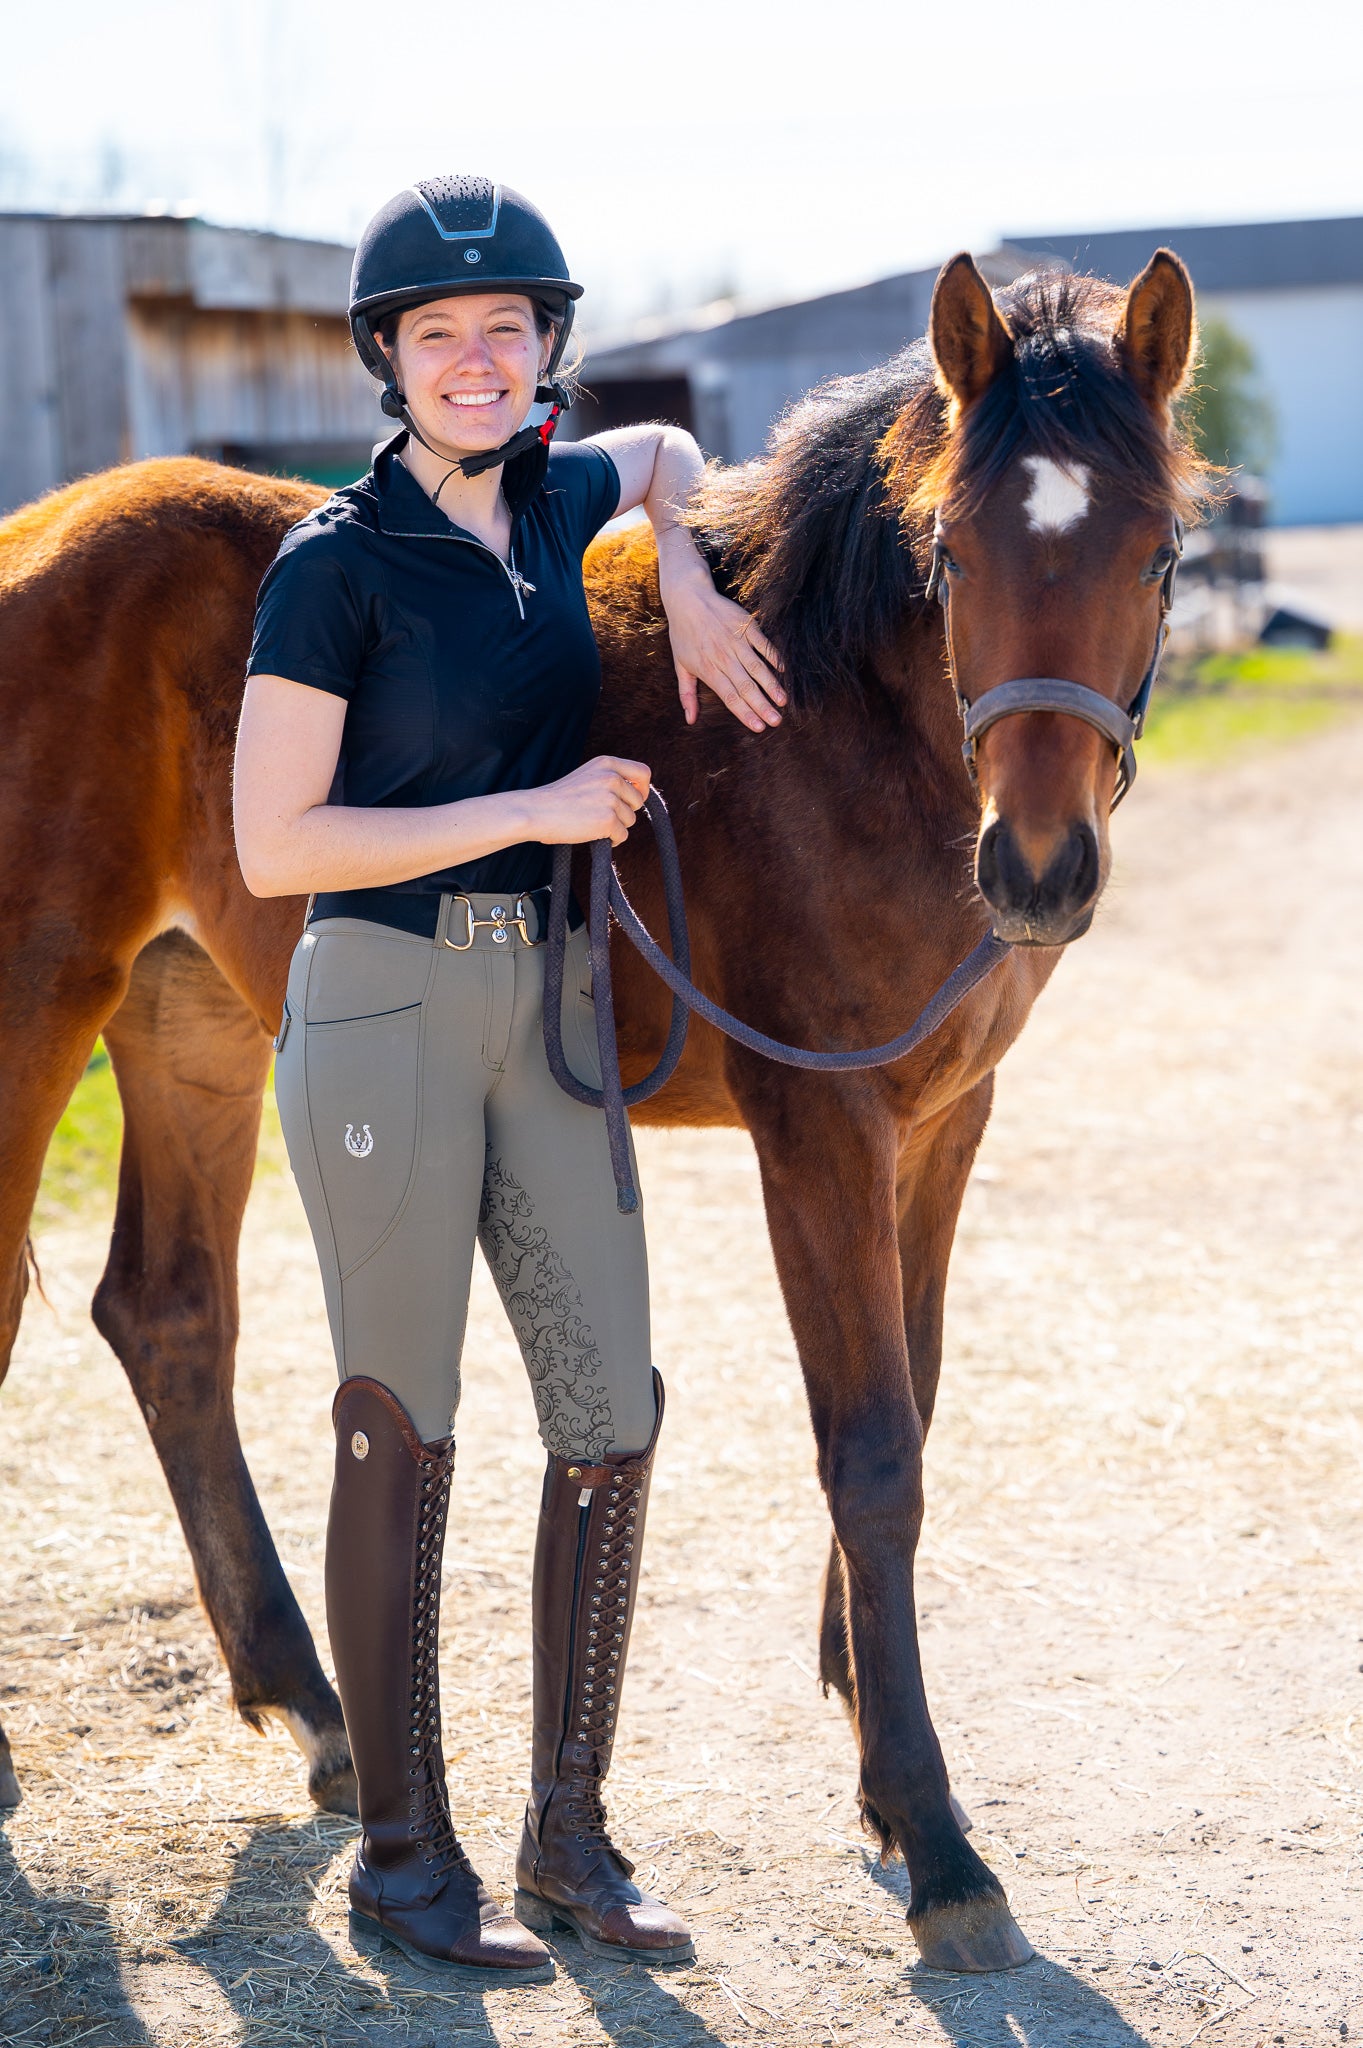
(526, 588)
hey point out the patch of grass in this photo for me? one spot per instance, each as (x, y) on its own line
(82, 1158)
(1263, 697)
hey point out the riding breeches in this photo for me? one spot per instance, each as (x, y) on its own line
(420, 1114)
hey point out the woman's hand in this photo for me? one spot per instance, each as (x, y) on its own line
(715, 642)
(599, 800)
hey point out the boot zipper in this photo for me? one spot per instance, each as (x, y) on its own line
(584, 1505)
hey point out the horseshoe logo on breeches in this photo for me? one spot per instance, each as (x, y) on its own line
(361, 1147)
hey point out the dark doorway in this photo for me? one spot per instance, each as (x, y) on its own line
(625, 401)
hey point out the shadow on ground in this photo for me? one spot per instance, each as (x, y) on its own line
(1042, 2005)
(285, 1982)
(60, 1978)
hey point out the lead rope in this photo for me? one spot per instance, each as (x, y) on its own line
(607, 896)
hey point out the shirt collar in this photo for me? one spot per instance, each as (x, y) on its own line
(404, 510)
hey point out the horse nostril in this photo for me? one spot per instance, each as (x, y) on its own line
(1001, 874)
(1071, 880)
(987, 861)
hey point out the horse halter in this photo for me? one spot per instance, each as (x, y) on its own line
(1053, 693)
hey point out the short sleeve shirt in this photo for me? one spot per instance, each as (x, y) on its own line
(462, 675)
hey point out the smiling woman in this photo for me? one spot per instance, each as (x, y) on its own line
(422, 679)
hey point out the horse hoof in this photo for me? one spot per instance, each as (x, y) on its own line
(334, 1789)
(959, 1814)
(977, 1935)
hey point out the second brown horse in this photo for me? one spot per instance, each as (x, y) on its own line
(836, 870)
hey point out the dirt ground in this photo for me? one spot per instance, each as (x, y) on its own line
(1140, 1590)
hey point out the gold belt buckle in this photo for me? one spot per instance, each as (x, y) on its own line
(500, 924)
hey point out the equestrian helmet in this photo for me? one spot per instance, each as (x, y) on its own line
(450, 235)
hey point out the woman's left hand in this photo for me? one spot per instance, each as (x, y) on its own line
(715, 642)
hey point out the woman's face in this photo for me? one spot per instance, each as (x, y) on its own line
(469, 367)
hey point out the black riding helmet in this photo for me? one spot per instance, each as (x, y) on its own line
(463, 234)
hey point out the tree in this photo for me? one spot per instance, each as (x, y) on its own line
(1231, 419)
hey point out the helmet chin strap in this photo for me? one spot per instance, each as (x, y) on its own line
(394, 403)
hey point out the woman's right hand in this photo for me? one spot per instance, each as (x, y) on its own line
(599, 800)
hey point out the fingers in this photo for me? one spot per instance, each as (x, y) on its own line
(755, 637)
(748, 702)
(757, 668)
(637, 774)
(688, 691)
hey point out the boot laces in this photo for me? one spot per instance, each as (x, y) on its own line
(431, 1829)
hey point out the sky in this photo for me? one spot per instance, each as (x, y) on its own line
(690, 149)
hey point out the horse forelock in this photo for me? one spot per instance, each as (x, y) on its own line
(1066, 396)
(825, 536)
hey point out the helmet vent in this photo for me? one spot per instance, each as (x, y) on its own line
(462, 207)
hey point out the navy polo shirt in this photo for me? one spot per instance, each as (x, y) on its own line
(463, 675)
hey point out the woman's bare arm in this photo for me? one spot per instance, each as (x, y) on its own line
(714, 641)
(290, 840)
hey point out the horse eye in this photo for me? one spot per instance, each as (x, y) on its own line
(1160, 566)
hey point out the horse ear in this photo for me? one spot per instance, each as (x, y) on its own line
(970, 342)
(1157, 338)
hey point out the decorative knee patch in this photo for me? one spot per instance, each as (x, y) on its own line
(544, 1304)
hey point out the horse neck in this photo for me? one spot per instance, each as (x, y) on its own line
(910, 689)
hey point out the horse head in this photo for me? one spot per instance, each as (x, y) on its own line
(1055, 500)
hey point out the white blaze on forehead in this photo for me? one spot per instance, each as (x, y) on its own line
(1059, 498)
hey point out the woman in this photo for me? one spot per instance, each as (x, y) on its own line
(421, 681)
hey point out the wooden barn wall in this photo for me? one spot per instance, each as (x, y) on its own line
(202, 380)
(30, 444)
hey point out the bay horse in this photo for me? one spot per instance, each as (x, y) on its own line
(837, 868)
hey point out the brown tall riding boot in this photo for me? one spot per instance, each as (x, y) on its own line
(569, 1873)
(412, 1884)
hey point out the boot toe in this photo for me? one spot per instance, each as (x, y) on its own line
(502, 1943)
(646, 1927)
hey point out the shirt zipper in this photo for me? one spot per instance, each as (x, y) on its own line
(521, 586)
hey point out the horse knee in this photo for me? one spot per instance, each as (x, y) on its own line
(874, 1482)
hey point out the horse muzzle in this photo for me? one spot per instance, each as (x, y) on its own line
(1048, 906)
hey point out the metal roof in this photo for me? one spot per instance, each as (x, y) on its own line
(1273, 255)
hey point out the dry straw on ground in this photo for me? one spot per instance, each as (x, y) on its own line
(1140, 1586)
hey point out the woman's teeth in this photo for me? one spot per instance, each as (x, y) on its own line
(473, 397)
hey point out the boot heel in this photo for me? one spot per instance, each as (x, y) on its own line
(366, 1935)
(535, 1913)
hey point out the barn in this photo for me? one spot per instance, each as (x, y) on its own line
(157, 335)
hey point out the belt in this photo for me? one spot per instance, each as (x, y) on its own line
(523, 916)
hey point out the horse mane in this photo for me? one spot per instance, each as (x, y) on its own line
(825, 537)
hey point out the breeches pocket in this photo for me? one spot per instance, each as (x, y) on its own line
(362, 1082)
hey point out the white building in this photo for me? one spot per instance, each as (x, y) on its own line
(1292, 289)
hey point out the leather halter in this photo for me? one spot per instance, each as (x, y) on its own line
(1121, 729)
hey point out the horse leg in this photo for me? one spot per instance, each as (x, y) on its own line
(191, 1062)
(932, 1171)
(52, 1004)
(829, 1176)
